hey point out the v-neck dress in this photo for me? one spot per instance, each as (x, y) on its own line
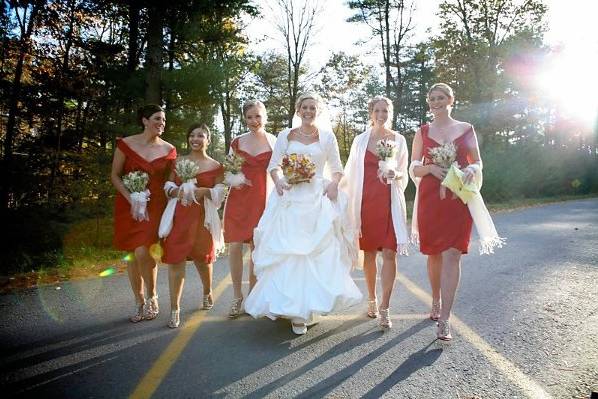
(245, 204)
(443, 223)
(128, 232)
(189, 239)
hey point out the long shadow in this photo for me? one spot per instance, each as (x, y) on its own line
(421, 358)
(324, 387)
(336, 350)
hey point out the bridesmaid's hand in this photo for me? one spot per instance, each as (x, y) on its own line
(391, 174)
(200, 192)
(332, 191)
(468, 175)
(437, 171)
(281, 185)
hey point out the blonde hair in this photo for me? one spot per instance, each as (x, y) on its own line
(310, 96)
(442, 87)
(258, 104)
(372, 103)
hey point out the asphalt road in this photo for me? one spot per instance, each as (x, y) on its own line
(525, 325)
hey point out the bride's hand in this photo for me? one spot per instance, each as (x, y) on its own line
(332, 191)
(281, 185)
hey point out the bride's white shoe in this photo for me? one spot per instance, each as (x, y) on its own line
(299, 328)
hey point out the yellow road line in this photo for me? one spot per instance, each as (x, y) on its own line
(153, 378)
(531, 388)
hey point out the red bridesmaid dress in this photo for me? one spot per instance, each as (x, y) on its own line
(443, 223)
(189, 239)
(128, 232)
(245, 205)
(377, 231)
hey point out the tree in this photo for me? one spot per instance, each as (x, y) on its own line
(391, 22)
(297, 26)
(470, 51)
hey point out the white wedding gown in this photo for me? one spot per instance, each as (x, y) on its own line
(302, 259)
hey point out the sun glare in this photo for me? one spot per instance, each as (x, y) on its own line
(570, 80)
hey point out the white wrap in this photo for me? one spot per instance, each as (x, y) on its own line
(352, 184)
(139, 202)
(168, 214)
(489, 238)
(212, 219)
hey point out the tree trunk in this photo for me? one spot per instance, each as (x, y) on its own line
(132, 54)
(153, 59)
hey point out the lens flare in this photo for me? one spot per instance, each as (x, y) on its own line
(128, 257)
(108, 272)
(156, 251)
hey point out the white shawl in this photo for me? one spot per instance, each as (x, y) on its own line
(212, 219)
(352, 184)
(489, 238)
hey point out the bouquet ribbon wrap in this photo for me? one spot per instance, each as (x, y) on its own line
(235, 179)
(385, 166)
(139, 202)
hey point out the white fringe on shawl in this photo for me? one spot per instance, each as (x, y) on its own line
(352, 184)
(489, 238)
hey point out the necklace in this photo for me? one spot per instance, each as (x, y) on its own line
(300, 131)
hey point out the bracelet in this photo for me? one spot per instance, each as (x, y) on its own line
(169, 191)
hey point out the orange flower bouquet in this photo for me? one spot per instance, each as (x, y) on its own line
(298, 168)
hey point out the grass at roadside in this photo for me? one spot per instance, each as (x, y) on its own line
(87, 248)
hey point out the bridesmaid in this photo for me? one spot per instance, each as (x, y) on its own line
(145, 152)
(189, 238)
(442, 223)
(377, 206)
(245, 204)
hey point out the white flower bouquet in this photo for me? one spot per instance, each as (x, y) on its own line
(386, 151)
(445, 156)
(186, 170)
(136, 182)
(233, 175)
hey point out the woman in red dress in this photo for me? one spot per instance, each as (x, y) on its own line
(145, 152)
(377, 203)
(443, 220)
(189, 238)
(245, 204)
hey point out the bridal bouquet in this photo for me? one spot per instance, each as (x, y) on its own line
(445, 156)
(136, 182)
(233, 176)
(186, 170)
(297, 168)
(386, 150)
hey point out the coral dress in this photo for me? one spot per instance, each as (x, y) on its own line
(443, 223)
(189, 239)
(129, 233)
(377, 230)
(245, 205)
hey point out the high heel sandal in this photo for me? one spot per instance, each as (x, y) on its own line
(208, 302)
(151, 309)
(235, 308)
(175, 319)
(385, 321)
(435, 312)
(443, 331)
(372, 308)
(138, 316)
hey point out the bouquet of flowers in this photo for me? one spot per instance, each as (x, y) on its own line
(186, 170)
(136, 182)
(444, 156)
(233, 176)
(297, 168)
(386, 150)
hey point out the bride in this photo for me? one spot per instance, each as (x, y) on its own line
(303, 247)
